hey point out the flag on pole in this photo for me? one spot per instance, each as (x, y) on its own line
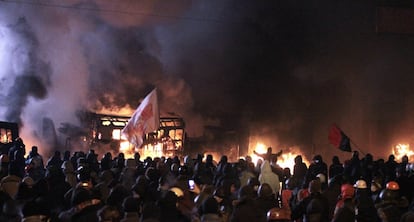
(145, 119)
(339, 139)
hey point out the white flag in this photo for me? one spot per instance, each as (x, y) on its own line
(144, 120)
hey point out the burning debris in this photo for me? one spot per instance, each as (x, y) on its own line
(401, 150)
(57, 59)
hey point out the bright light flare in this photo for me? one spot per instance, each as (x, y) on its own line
(260, 148)
(401, 150)
(287, 160)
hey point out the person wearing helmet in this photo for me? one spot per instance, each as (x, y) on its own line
(278, 215)
(405, 184)
(318, 166)
(365, 210)
(287, 194)
(332, 193)
(391, 205)
(314, 207)
(344, 202)
(322, 178)
(346, 212)
(376, 188)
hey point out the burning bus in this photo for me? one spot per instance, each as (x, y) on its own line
(105, 135)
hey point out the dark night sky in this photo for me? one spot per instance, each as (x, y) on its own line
(287, 69)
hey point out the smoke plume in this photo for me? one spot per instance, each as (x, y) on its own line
(281, 70)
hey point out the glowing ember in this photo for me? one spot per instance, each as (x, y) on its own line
(401, 150)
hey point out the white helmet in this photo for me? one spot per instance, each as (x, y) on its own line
(360, 184)
(321, 177)
(178, 192)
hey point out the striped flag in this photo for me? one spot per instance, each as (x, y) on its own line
(339, 139)
(145, 119)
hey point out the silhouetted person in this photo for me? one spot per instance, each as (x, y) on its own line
(269, 155)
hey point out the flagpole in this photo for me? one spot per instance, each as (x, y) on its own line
(357, 147)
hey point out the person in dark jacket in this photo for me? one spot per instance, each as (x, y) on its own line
(55, 160)
(131, 207)
(409, 215)
(209, 211)
(390, 167)
(299, 171)
(266, 198)
(318, 166)
(246, 209)
(83, 207)
(332, 193)
(346, 213)
(169, 210)
(335, 168)
(365, 210)
(314, 207)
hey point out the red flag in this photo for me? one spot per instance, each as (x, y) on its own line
(339, 139)
(145, 119)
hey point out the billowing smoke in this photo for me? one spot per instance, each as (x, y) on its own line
(283, 70)
(29, 76)
(58, 61)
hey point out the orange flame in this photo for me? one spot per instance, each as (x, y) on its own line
(286, 160)
(401, 150)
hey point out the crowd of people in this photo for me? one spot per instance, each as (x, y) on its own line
(81, 186)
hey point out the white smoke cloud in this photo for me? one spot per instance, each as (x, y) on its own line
(100, 55)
